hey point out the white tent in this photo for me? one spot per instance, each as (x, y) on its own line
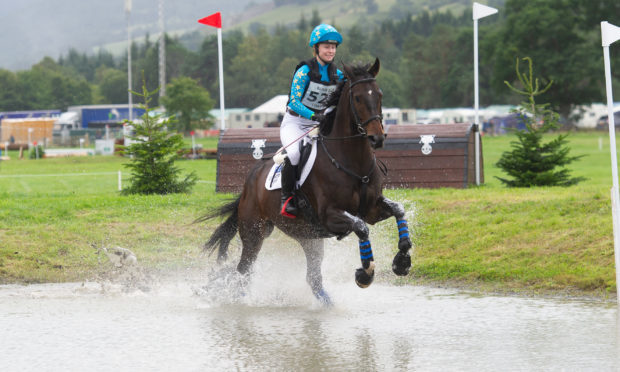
(276, 105)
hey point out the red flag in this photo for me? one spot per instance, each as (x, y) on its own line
(214, 20)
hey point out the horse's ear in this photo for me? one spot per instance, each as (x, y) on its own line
(348, 72)
(374, 70)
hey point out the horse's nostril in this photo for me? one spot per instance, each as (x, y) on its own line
(376, 141)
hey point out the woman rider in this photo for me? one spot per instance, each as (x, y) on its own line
(313, 81)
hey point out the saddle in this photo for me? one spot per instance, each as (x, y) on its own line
(308, 148)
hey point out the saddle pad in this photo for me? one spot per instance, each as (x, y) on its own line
(274, 182)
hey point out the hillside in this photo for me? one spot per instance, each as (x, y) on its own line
(346, 13)
(341, 13)
(42, 28)
(38, 28)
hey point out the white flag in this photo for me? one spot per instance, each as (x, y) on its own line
(128, 6)
(481, 11)
(609, 33)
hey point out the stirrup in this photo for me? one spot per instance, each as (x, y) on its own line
(283, 209)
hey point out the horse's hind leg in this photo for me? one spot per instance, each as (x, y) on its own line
(252, 235)
(313, 248)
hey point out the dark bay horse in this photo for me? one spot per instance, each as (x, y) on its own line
(343, 190)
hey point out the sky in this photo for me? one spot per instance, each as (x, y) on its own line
(33, 29)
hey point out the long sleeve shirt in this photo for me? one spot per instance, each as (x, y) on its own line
(301, 79)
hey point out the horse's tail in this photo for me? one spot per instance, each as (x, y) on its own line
(225, 232)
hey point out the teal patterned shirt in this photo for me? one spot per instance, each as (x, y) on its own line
(299, 85)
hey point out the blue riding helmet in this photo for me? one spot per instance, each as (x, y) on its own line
(325, 33)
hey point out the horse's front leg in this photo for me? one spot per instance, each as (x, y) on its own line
(402, 260)
(342, 223)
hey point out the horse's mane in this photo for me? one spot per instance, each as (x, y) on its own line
(357, 70)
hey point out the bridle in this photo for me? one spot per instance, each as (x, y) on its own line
(361, 126)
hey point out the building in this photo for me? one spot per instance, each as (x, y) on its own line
(398, 116)
(269, 114)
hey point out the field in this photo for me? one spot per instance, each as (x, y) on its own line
(54, 213)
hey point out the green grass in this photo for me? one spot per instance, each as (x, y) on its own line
(533, 240)
(536, 239)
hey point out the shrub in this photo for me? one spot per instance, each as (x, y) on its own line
(153, 155)
(532, 162)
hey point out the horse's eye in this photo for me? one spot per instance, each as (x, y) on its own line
(357, 99)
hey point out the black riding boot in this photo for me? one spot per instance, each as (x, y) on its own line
(288, 207)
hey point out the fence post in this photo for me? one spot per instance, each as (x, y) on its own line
(120, 186)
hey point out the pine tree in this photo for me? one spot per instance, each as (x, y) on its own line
(153, 155)
(532, 162)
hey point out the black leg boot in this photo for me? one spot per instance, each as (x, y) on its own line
(289, 178)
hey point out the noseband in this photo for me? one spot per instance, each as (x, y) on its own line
(361, 126)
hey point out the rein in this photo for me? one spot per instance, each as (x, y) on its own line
(364, 180)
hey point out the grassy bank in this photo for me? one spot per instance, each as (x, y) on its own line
(537, 240)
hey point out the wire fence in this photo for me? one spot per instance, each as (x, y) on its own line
(119, 177)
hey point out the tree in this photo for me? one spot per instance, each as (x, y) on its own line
(153, 155)
(10, 94)
(250, 72)
(112, 85)
(189, 100)
(371, 6)
(48, 85)
(532, 162)
(548, 31)
(316, 19)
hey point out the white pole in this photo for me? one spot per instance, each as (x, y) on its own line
(193, 145)
(221, 66)
(162, 52)
(616, 228)
(476, 105)
(128, 10)
(479, 11)
(611, 33)
(120, 186)
(610, 116)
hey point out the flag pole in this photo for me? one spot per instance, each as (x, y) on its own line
(610, 34)
(215, 20)
(221, 68)
(129, 78)
(479, 11)
(476, 105)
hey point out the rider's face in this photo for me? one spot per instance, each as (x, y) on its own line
(327, 52)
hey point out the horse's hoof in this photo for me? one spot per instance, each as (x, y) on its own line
(324, 298)
(364, 277)
(401, 263)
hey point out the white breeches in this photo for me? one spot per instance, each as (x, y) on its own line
(292, 129)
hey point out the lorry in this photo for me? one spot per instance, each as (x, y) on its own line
(18, 128)
(29, 114)
(96, 116)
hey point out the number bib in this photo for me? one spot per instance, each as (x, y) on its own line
(316, 95)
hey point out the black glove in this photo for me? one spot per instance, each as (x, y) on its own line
(317, 117)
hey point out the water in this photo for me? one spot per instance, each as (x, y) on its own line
(276, 325)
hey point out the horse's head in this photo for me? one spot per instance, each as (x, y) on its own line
(365, 101)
